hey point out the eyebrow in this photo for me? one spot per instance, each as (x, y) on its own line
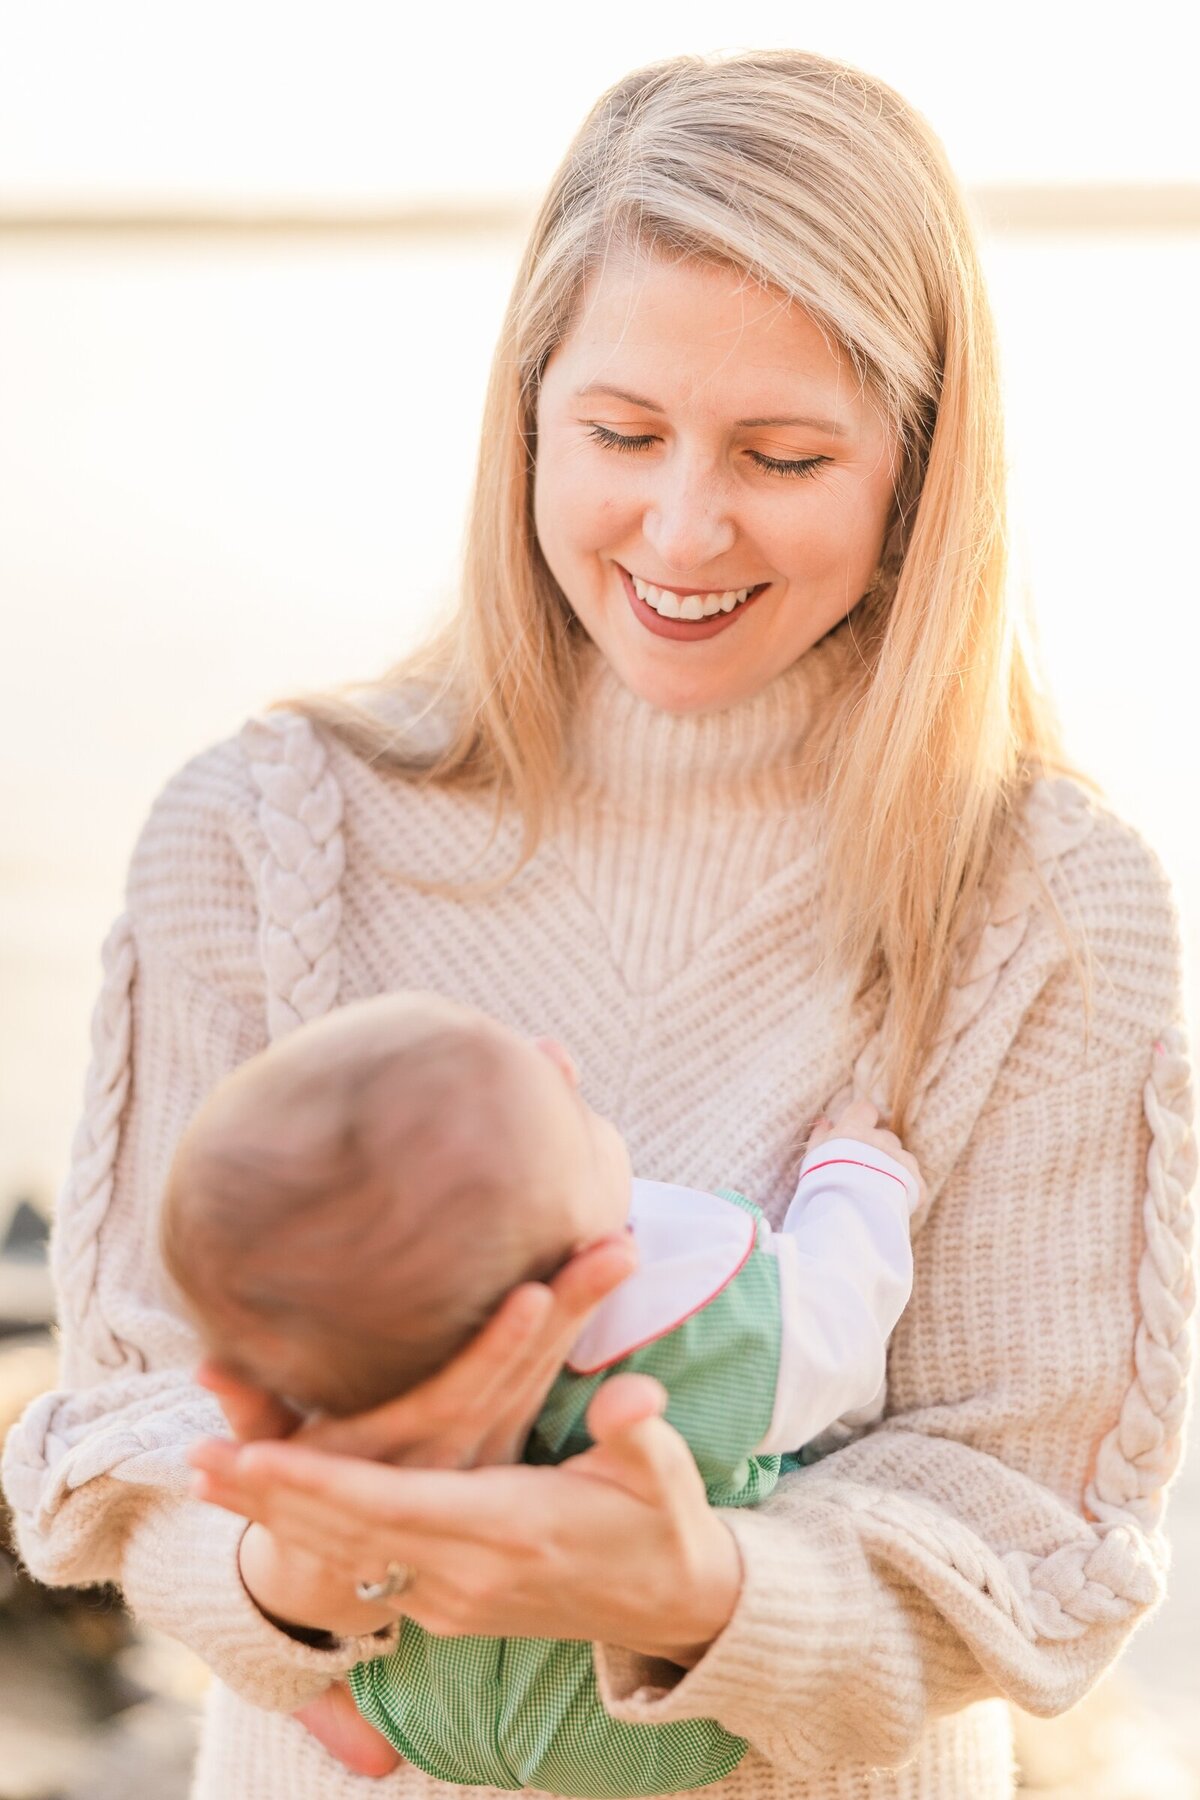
(829, 426)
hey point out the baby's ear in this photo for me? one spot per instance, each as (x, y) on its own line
(560, 1055)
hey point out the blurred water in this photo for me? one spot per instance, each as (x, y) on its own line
(233, 469)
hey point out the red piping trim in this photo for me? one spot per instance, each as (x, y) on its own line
(683, 1319)
(833, 1161)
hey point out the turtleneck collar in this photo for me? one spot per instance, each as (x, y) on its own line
(622, 746)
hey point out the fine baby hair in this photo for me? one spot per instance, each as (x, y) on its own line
(347, 1207)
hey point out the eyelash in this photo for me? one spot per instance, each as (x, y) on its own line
(612, 440)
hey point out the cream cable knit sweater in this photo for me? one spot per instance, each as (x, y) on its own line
(997, 1534)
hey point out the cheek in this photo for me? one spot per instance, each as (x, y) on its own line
(549, 510)
(836, 531)
(575, 508)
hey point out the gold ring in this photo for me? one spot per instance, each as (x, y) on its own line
(396, 1578)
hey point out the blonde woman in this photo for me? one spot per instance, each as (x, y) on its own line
(731, 774)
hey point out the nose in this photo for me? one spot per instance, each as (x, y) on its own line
(686, 522)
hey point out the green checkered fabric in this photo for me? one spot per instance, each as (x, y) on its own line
(525, 1712)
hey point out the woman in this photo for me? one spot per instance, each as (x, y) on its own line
(731, 775)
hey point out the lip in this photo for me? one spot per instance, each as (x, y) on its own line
(685, 630)
(683, 592)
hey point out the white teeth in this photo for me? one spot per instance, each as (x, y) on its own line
(688, 606)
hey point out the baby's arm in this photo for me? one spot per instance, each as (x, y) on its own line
(845, 1275)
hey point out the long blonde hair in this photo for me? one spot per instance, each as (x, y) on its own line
(820, 181)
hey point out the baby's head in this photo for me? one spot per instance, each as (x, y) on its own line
(345, 1209)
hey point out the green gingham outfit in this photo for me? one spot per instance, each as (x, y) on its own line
(762, 1340)
(524, 1712)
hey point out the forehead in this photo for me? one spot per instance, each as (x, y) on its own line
(682, 332)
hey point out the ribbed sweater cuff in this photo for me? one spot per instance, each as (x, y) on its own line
(180, 1573)
(789, 1639)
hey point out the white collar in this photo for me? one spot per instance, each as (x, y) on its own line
(690, 1246)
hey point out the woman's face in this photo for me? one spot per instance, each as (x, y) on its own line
(696, 433)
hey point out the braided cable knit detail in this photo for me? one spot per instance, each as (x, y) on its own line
(1139, 1455)
(300, 813)
(1099, 1577)
(65, 1440)
(89, 1183)
(1114, 1566)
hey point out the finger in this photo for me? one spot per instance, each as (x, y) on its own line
(625, 1401)
(411, 1505)
(558, 1053)
(217, 1479)
(444, 1409)
(227, 1495)
(642, 1455)
(302, 1520)
(298, 1523)
(216, 1455)
(475, 1379)
(576, 1291)
(221, 1479)
(822, 1128)
(220, 1463)
(490, 1393)
(859, 1115)
(250, 1411)
(591, 1274)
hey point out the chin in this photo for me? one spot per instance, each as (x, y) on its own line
(682, 690)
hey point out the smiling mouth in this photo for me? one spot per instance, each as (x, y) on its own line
(670, 605)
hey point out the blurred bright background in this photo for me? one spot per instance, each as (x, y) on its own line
(253, 257)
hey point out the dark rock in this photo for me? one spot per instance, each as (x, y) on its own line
(27, 1238)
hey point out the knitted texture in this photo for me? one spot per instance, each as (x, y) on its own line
(997, 1532)
(299, 875)
(94, 1151)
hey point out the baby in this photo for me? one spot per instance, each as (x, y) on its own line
(346, 1209)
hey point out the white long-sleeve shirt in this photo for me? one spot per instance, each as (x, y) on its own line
(845, 1275)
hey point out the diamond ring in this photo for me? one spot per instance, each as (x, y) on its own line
(397, 1577)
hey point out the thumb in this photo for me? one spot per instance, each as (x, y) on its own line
(623, 1402)
(634, 1447)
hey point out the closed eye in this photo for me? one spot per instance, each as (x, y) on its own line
(613, 440)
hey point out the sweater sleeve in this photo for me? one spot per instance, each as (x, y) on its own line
(95, 1471)
(1000, 1531)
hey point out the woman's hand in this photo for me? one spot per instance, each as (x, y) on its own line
(481, 1406)
(301, 1592)
(478, 1409)
(618, 1544)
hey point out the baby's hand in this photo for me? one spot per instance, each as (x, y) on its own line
(859, 1121)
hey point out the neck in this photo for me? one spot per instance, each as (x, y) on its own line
(624, 745)
(674, 824)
